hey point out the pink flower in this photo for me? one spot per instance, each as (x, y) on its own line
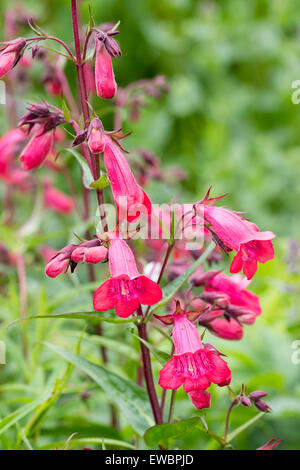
(57, 200)
(9, 147)
(237, 234)
(104, 75)
(194, 366)
(200, 399)
(37, 149)
(234, 288)
(126, 289)
(227, 328)
(89, 254)
(129, 197)
(96, 140)
(59, 264)
(53, 86)
(10, 55)
(224, 328)
(270, 445)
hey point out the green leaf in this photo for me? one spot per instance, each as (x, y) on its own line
(161, 356)
(130, 398)
(17, 415)
(100, 183)
(66, 111)
(115, 443)
(171, 289)
(161, 433)
(87, 177)
(244, 426)
(76, 316)
(120, 347)
(91, 21)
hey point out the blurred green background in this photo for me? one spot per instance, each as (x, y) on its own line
(229, 121)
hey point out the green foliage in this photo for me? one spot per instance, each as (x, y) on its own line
(228, 119)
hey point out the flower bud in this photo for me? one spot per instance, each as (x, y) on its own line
(10, 55)
(257, 395)
(57, 265)
(37, 149)
(104, 75)
(262, 406)
(94, 254)
(96, 140)
(215, 298)
(245, 401)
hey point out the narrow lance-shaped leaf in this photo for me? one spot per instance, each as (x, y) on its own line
(129, 397)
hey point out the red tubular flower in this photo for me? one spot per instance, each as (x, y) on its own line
(57, 200)
(126, 289)
(129, 197)
(10, 55)
(200, 399)
(237, 234)
(227, 329)
(37, 149)
(235, 288)
(106, 86)
(194, 366)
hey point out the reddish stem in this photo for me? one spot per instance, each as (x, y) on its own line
(142, 329)
(93, 162)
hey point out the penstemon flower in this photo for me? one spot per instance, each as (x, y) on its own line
(126, 289)
(234, 288)
(106, 48)
(238, 234)
(130, 199)
(56, 200)
(220, 303)
(194, 366)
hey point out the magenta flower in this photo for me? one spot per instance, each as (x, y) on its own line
(200, 399)
(106, 86)
(234, 288)
(194, 366)
(126, 289)
(224, 328)
(129, 197)
(57, 200)
(237, 234)
(37, 149)
(10, 55)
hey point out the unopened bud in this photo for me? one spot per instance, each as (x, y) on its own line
(245, 401)
(257, 395)
(262, 406)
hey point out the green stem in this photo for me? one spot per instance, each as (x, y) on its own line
(172, 406)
